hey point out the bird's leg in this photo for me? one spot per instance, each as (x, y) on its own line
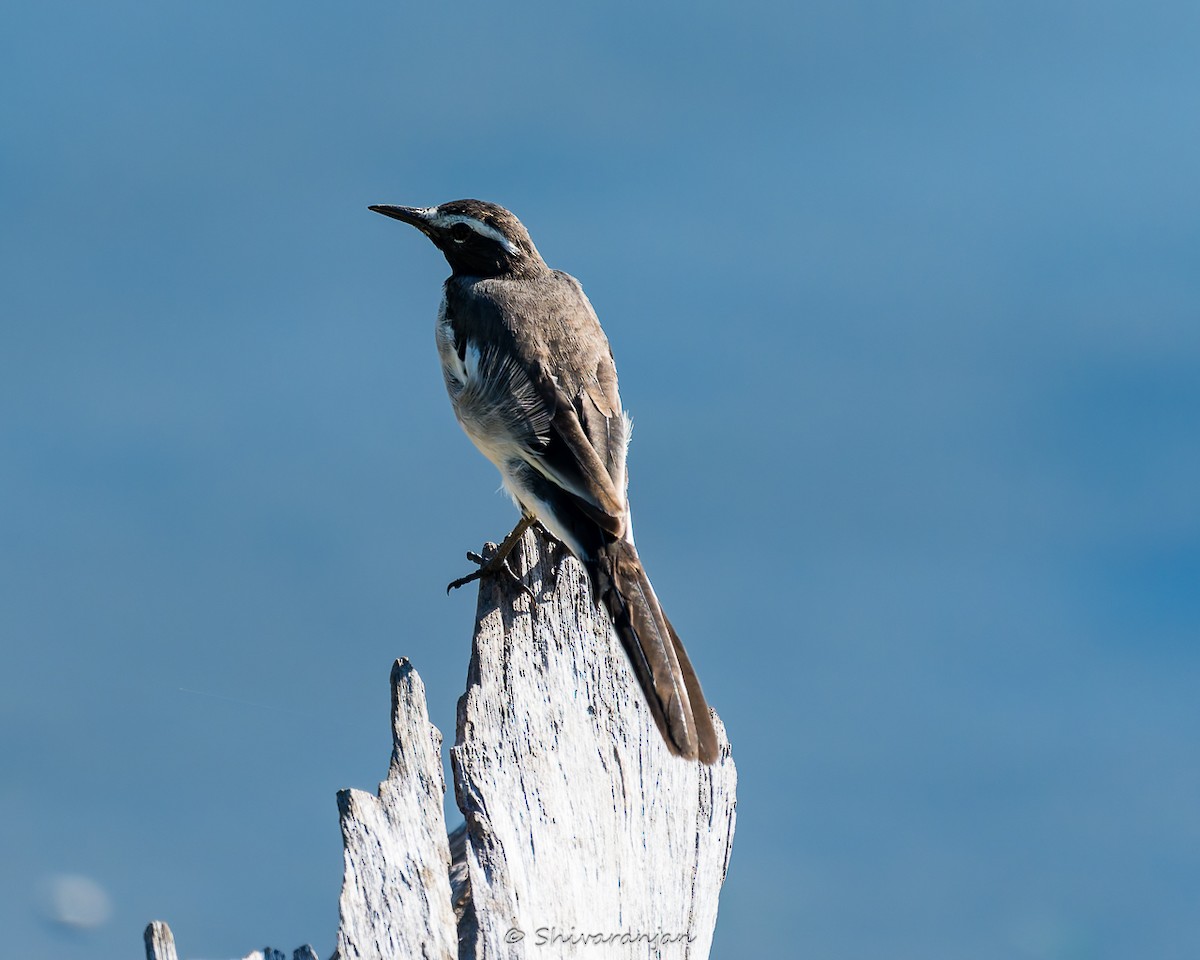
(499, 560)
(556, 552)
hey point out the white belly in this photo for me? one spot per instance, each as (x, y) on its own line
(497, 407)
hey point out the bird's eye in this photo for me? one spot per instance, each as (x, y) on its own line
(460, 232)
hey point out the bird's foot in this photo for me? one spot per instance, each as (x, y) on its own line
(498, 563)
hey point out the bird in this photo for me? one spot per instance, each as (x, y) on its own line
(533, 383)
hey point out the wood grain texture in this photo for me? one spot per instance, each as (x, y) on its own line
(160, 942)
(395, 898)
(579, 821)
(584, 837)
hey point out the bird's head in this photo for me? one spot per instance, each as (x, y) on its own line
(479, 239)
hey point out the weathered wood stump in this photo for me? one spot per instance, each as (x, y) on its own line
(583, 835)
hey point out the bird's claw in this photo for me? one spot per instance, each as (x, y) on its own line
(557, 554)
(497, 565)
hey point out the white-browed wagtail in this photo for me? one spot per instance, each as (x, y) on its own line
(532, 381)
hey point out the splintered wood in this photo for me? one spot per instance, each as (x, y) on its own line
(583, 835)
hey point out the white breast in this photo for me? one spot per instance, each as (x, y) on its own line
(478, 401)
(453, 368)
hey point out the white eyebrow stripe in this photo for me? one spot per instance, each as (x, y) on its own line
(446, 220)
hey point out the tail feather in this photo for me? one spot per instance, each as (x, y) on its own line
(659, 661)
(706, 733)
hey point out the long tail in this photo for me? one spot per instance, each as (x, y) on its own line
(661, 664)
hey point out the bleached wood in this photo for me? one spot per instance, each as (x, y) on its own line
(395, 898)
(160, 942)
(579, 820)
(584, 836)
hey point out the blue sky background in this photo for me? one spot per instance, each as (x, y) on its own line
(906, 305)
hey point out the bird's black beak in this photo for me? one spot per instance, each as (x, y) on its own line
(416, 216)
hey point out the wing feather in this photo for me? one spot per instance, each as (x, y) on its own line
(517, 398)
